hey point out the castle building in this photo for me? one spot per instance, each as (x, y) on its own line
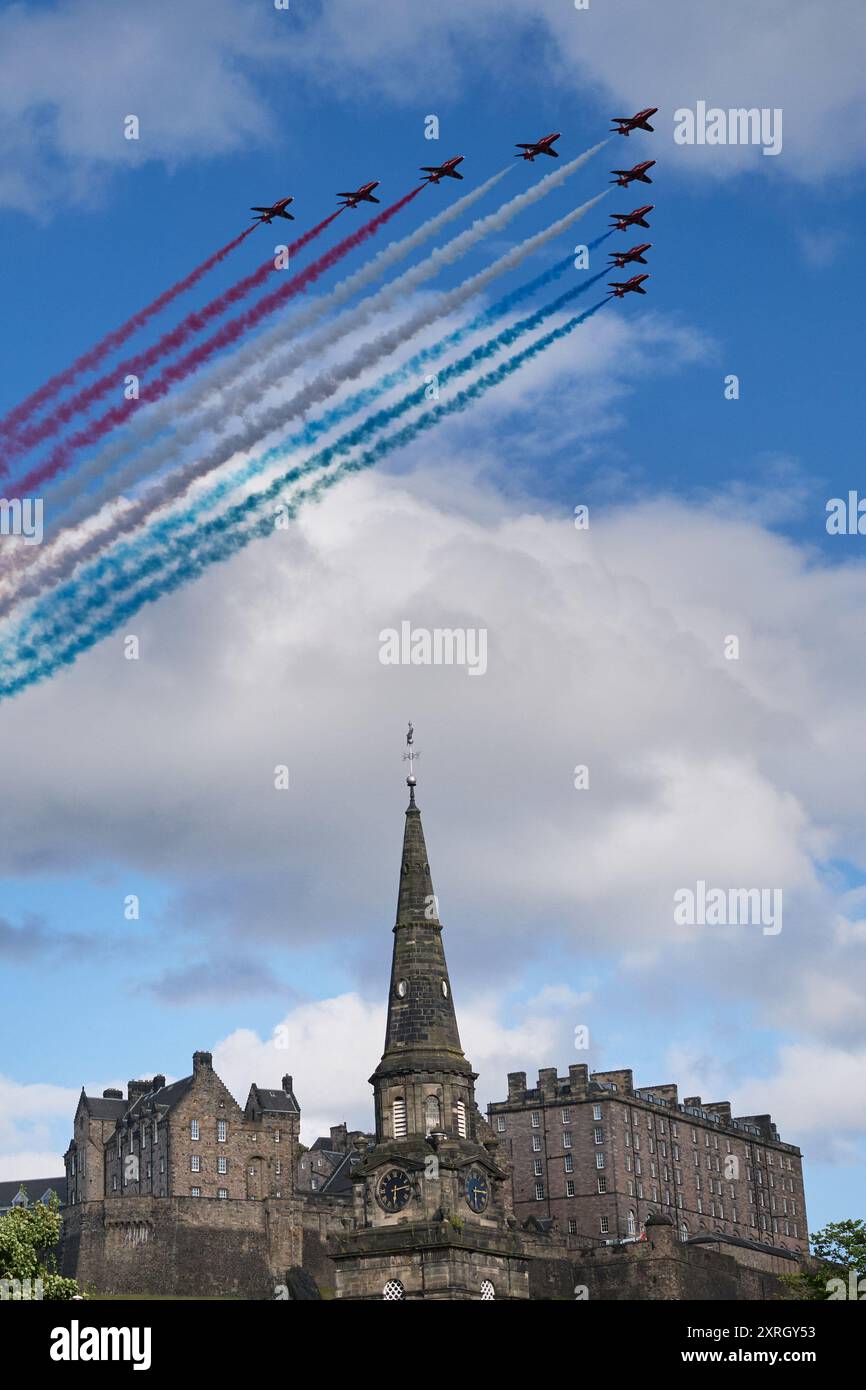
(433, 1214)
(599, 1157)
(186, 1139)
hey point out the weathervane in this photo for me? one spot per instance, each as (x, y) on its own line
(409, 758)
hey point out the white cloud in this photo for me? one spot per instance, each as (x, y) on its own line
(738, 54)
(70, 74)
(29, 1115)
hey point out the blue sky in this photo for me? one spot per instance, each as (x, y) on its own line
(708, 518)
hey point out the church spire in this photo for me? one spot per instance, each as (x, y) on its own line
(421, 1031)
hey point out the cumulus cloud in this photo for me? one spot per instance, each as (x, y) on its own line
(631, 55)
(29, 1115)
(71, 74)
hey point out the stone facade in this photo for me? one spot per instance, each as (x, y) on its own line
(600, 1157)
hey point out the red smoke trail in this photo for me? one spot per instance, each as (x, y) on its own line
(113, 340)
(229, 333)
(193, 323)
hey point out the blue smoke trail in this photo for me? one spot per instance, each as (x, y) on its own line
(167, 531)
(229, 537)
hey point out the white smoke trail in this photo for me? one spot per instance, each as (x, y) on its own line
(153, 419)
(122, 515)
(277, 359)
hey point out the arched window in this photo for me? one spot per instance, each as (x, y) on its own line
(399, 1119)
(461, 1119)
(632, 1225)
(432, 1114)
(487, 1290)
(393, 1289)
(684, 1231)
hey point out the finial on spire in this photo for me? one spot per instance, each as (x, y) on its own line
(410, 757)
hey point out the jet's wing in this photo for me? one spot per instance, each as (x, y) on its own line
(260, 209)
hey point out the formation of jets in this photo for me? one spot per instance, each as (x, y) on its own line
(624, 125)
(638, 173)
(542, 146)
(632, 286)
(364, 194)
(529, 150)
(621, 221)
(622, 258)
(448, 170)
(275, 210)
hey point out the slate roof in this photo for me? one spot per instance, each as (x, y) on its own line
(34, 1187)
(278, 1102)
(105, 1108)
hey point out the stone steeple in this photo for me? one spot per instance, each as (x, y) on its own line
(433, 1212)
(421, 1031)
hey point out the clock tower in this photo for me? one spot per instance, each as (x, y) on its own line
(433, 1215)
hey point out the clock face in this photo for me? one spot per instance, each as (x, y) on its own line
(394, 1190)
(477, 1191)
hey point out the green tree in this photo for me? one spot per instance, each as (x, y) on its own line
(28, 1267)
(840, 1249)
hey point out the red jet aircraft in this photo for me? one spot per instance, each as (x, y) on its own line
(639, 172)
(275, 210)
(624, 125)
(632, 286)
(542, 146)
(622, 258)
(623, 220)
(448, 170)
(364, 194)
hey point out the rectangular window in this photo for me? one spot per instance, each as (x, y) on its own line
(221, 1131)
(276, 1136)
(599, 1160)
(539, 1192)
(640, 1190)
(566, 1138)
(536, 1167)
(596, 1112)
(195, 1192)
(114, 1183)
(222, 1165)
(279, 1167)
(602, 1183)
(605, 1225)
(461, 1119)
(569, 1188)
(500, 1123)
(399, 1117)
(535, 1120)
(222, 1193)
(195, 1163)
(162, 1165)
(631, 1189)
(566, 1117)
(598, 1134)
(536, 1143)
(572, 1226)
(569, 1163)
(193, 1129)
